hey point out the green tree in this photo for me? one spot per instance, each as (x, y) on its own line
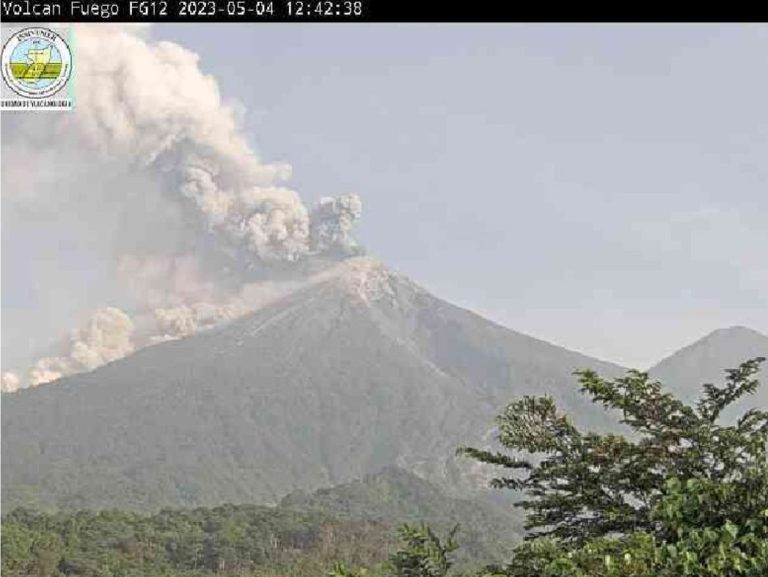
(422, 554)
(682, 494)
(699, 545)
(586, 485)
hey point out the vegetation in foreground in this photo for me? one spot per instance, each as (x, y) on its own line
(682, 493)
(229, 540)
(306, 534)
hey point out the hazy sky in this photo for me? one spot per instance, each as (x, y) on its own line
(601, 187)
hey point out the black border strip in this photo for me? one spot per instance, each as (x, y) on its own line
(198, 11)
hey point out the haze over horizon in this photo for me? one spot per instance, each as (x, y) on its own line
(599, 188)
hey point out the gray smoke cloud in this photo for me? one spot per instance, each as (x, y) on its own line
(173, 322)
(151, 103)
(161, 280)
(333, 220)
(182, 299)
(10, 382)
(184, 320)
(148, 107)
(106, 337)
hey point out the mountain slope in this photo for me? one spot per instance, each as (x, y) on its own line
(705, 361)
(394, 496)
(358, 370)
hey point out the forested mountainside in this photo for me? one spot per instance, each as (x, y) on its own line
(305, 535)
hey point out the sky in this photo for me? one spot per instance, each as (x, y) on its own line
(599, 187)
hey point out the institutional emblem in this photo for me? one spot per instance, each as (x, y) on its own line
(37, 65)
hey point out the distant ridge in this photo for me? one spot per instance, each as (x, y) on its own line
(705, 361)
(393, 496)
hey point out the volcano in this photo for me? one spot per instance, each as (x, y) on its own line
(357, 370)
(705, 361)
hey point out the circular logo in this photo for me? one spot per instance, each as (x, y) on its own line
(36, 63)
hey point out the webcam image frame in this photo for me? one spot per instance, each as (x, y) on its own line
(304, 289)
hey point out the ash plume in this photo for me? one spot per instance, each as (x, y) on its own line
(179, 298)
(150, 104)
(184, 320)
(159, 280)
(146, 107)
(106, 337)
(333, 220)
(10, 382)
